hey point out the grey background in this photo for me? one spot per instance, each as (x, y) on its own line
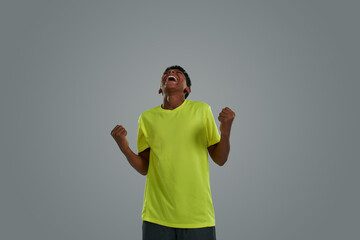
(72, 70)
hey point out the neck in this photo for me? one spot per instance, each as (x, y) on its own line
(172, 101)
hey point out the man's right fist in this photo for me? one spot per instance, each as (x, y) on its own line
(119, 134)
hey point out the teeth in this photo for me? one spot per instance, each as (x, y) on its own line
(167, 79)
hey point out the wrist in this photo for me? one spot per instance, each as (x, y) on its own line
(124, 148)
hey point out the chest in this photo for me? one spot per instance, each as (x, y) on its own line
(177, 129)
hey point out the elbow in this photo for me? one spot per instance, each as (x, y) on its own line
(221, 162)
(143, 172)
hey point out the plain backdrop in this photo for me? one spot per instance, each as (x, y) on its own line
(72, 70)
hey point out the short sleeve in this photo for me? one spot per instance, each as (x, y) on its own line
(142, 143)
(213, 135)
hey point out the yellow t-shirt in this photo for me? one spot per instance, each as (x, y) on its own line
(177, 190)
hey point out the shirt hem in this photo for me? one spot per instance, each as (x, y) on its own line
(214, 142)
(178, 225)
(142, 148)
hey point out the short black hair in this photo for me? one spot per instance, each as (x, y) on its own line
(188, 81)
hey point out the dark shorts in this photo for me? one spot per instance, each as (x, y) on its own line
(152, 231)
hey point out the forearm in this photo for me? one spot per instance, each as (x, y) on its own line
(138, 162)
(221, 151)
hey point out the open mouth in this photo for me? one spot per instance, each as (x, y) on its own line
(171, 79)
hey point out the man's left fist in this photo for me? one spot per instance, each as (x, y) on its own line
(226, 118)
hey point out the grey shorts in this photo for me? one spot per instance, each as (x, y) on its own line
(152, 231)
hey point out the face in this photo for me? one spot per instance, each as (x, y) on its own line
(173, 80)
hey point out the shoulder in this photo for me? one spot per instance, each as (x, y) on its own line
(149, 113)
(198, 104)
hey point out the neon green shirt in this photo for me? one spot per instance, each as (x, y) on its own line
(177, 190)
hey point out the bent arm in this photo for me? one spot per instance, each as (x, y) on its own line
(138, 161)
(219, 152)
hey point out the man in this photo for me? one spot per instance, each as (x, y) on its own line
(173, 142)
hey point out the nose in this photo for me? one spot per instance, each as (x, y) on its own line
(172, 71)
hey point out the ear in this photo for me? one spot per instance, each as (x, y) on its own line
(187, 90)
(160, 90)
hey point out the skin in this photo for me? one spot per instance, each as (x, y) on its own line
(173, 93)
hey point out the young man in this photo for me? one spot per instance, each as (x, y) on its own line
(173, 142)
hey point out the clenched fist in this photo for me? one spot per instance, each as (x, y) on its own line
(119, 134)
(226, 118)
